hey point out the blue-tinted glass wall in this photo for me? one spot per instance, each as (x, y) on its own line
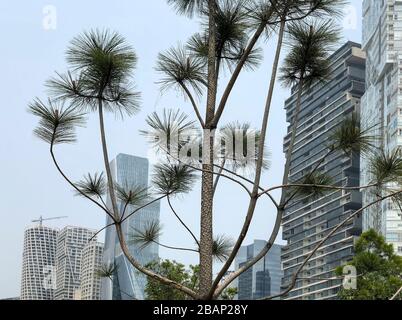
(264, 278)
(128, 283)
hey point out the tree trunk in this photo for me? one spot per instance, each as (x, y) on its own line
(280, 210)
(207, 194)
(106, 162)
(253, 200)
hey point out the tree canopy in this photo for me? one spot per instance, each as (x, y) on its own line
(379, 269)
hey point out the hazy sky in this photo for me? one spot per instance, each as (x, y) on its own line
(32, 49)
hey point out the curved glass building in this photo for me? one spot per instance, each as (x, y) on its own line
(127, 283)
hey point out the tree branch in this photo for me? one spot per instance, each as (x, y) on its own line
(254, 194)
(229, 279)
(207, 171)
(75, 187)
(249, 181)
(182, 222)
(124, 211)
(339, 226)
(300, 185)
(142, 207)
(396, 294)
(245, 56)
(175, 248)
(235, 75)
(112, 193)
(219, 173)
(148, 272)
(104, 228)
(280, 211)
(284, 201)
(195, 107)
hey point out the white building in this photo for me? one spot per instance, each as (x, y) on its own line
(38, 263)
(70, 243)
(382, 104)
(91, 261)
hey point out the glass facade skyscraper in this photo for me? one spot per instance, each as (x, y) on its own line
(128, 283)
(382, 105)
(306, 219)
(264, 278)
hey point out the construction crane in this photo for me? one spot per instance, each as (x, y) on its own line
(41, 219)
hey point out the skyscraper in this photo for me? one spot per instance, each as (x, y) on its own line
(307, 220)
(264, 278)
(38, 263)
(91, 261)
(127, 282)
(382, 104)
(70, 243)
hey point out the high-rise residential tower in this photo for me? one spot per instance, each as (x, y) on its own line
(128, 283)
(70, 243)
(91, 262)
(38, 263)
(382, 104)
(264, 278)
(306, 219)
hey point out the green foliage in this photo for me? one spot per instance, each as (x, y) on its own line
(173, 179)
(188, 7)
(298, 9)
(102, 63)
(56, 124)
(349, 138)
(106, 270)
(144, 237)
(179, 68)
(229, 294)
(131, 194)
(169, 131)
(379, 269)
(238, 157)
(310, 46)
(313, 181)
(174, 271)
(222, 248)
(386, 167)
(177, 272)
(92, 185)
(261, 13)
(173, 133)
(232, 36)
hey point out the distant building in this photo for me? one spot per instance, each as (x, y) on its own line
(128, 283)
(38, 263)
(70, 243)
(91, 261)
(307, 220)
(264, 278)
(382, 106)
